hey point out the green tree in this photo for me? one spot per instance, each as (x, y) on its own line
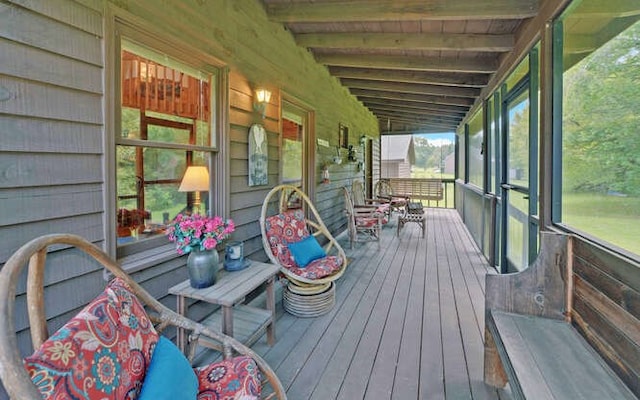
(601, 122)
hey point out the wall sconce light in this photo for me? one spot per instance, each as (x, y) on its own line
(195, 179)
(363, 140)
(262, 98)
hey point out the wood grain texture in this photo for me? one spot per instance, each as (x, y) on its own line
(571, 370)
(32, 99)
(539, 289)
(25, 134)
(39, 65)
(51, 35)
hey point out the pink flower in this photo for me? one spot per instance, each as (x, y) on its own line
(198, 232)
(210, 243)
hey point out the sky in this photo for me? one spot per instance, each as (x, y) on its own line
(438, 139)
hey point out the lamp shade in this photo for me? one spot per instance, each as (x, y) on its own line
(195, 179)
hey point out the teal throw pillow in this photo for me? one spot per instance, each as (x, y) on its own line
(169, 375)
(306, 250)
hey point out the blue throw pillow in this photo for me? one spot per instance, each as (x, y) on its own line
(306, 250)
(169, 375)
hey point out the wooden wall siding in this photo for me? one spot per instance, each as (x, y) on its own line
(51, 142)
(473, 213)
(51, 176)
(607, 308)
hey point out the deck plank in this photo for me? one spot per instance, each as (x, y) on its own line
(332, 379)
(408, 322)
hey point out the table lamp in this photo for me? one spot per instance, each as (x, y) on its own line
(195, 179)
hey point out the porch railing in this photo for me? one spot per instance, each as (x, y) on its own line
(431, 192)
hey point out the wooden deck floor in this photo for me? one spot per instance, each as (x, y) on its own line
(408, 323)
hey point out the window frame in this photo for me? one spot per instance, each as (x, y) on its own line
(557, 31)
(120, 25)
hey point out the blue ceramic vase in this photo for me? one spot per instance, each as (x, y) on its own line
(203, 268)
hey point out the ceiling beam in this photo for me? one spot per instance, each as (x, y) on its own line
(436, 108)
(416, 116)
(456, 101)
(473, 65)
(396, 113)
(401, 10)
(427, 113)
(415, 120)
(437, 90)
(411, 131)
(408, 41)
(423, 77)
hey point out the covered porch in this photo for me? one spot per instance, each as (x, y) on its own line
(408, 321)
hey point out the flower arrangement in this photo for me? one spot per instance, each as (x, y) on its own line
(198, 232)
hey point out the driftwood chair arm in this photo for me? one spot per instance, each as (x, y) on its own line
(15, 377)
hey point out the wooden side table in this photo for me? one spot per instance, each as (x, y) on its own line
(229, 292)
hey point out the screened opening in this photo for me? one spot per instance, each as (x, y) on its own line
(598, 64)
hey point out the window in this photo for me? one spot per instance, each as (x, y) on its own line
(293, 124)
(493, 149)
(476, 150)
(166, 122)
(597, 63)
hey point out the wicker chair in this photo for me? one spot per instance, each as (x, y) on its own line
(384, 192)
(364, 223)
(310, 290)
(13, 373)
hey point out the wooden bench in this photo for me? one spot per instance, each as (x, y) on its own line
(541, 345)
(418, 189)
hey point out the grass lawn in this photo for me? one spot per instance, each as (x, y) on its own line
(611, 218)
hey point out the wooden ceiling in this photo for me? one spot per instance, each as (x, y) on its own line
(418, 65)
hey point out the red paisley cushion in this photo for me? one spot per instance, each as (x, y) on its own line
(235, 378)
(366, 222)
(282, 229)
(290, 227)
(320, 268)
(101, 353)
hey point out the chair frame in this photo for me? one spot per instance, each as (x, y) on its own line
(355, 213)
(384, 191)
(360, 201)
(316, 228)
(15, 377)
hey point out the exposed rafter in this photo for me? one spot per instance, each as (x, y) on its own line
(456, 101)
(424, 77)
(437, 90)
(416, 63)
(401, 10)
(403, 41)
(472, 65)
(405, 105)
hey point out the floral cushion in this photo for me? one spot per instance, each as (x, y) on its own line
(235, 378)
(317, 269)
(383, 210)
(285, 228)
(101, 353)
(290, 227)
(366, 222)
